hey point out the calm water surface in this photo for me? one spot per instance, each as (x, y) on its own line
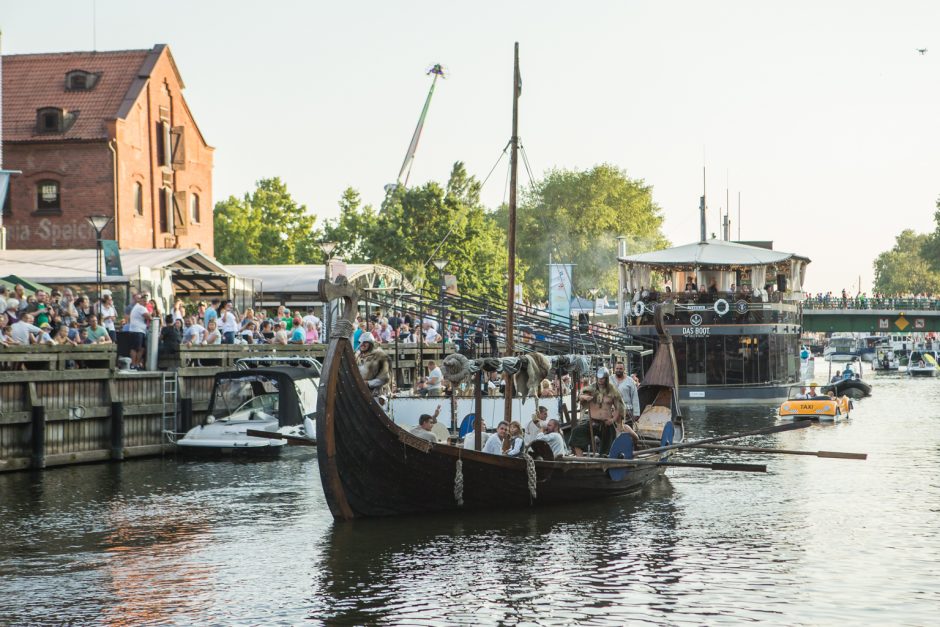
(813, 541)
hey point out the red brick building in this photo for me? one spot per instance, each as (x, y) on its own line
(103, 133)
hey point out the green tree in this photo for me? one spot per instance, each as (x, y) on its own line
(575, 217)
(353, 230)
(266, 226)
(905, 269)
(931, 249)
(413, 223)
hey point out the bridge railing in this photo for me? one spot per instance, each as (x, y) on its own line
(863, 303)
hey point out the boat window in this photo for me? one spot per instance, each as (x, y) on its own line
(244, 394)
(307, 395)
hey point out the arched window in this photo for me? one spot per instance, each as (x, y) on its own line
(48, 197)
(139, 199)
(194, 208)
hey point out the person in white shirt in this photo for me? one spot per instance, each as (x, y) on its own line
(108, 314)
(23, 331)
(310, 317)
(627, 388)
(552, 435)
(423, 430)
(228, 323)
(494, 445)
(537, 424)
(195, 333)
(137, 325)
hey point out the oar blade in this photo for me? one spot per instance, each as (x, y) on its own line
(739, 467)
(840, 455)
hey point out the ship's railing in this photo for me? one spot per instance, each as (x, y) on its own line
(716, 309)
(865, 303)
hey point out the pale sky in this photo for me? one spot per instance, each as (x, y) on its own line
(821, 114)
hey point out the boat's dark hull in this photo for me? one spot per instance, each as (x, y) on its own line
(372, 467)
(852, 388)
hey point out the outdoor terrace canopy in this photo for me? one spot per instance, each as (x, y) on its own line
(161, 271)
(710, 259)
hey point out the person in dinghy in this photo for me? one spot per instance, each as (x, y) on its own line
(374, 365)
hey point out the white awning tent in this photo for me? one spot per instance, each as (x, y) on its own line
(297, 284)
(710, 254)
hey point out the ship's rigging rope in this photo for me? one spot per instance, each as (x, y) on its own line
(458, 483)
(531, 477)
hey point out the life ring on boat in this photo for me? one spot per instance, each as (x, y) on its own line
(639, 308)
(721, 307)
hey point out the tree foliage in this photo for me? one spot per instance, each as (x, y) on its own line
(575, 217)
(419, 224)
(906, 268)
(267, 226)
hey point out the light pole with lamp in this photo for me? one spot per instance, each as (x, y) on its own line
(327, 248)
(99, 223)
(440, 264)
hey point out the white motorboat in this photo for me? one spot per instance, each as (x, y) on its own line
(886, 359)
(277, 399)
(923, 363)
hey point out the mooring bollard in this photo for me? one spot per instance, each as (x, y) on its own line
(38, 436)
(117, 430)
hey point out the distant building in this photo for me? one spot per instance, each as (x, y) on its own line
(103, 133)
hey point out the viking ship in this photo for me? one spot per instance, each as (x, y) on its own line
(372, 467)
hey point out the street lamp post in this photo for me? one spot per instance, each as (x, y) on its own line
(440, 264)
(327, 248)
(99, 223)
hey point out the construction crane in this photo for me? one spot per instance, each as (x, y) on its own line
(438, 72)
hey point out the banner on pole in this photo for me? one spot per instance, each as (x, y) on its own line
(112, 258)
(559, 289)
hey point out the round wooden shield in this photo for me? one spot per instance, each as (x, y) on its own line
(669, 433)
(622, 448)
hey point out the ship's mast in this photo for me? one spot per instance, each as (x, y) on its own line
(511, 279)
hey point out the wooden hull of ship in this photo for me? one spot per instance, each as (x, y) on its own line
(370, 467)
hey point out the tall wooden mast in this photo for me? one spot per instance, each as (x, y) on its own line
(511, 279)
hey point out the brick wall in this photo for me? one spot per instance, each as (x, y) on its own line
(83, 171)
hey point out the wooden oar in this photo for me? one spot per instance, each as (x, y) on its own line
(274, 435)
(758, 449)
(715, 466)
(802, 424)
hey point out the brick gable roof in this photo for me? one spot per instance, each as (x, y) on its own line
(34, 81)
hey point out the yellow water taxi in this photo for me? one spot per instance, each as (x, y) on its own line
(807, 402)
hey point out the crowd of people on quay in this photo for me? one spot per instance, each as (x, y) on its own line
(922, 301)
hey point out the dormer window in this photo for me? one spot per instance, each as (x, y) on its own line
(80, 80)
(54, 120)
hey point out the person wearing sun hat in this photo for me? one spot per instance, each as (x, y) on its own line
(374, 365)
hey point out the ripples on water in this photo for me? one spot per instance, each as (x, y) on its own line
(814, 541)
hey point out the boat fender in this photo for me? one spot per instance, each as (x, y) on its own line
(721, 306)
(622, 448)
(669, 434)
(639, 308)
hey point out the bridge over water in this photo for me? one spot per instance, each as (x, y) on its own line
(872, 315)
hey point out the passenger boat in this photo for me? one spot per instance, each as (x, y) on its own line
(737, 334)
(370, 466)
(886, 360)
(847, 382)
(842, 348)
(279, 400)
(803, 404)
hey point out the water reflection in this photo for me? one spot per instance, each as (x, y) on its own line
(812, 541)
